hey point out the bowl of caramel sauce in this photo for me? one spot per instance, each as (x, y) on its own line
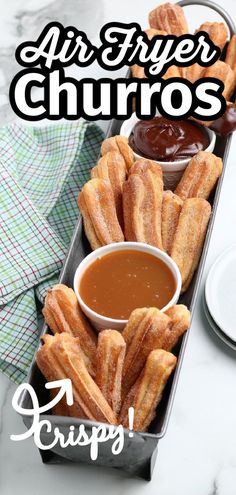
(170, 143)
(115, 279)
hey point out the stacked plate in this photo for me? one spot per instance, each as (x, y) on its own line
(220, 297)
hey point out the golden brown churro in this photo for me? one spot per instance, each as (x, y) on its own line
(120, 144)
(222, 71)
(59, 358)
(217, 32)
(142, 165)
(189, 237)
(112, 167)
(52, 370)
(170, 18)
(200, 176)
(171, 208)
(147, 392)
(180, 322)
(194, 72)
(230, 58)
(63, 314)
(142, 202)
(97, 206)
(144, 332)
(110, 359)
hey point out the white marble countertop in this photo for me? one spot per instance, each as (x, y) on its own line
(198, 454)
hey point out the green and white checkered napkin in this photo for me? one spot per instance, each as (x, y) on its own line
(41, 172)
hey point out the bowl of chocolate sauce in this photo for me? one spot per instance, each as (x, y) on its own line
(170, 143)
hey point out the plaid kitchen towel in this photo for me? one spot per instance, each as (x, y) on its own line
(41, 172)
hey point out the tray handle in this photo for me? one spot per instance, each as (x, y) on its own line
(214, 6)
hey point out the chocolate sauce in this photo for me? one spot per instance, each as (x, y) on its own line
(227, 123)
(167, 140)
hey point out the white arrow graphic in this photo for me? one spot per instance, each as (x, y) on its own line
(65, 386)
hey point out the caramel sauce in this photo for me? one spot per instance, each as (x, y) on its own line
(119, 282)
(167, 140)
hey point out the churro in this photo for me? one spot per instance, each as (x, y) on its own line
(144, 332)
(224, 73)
(112, 167)
(217, 32)
(63, 314)
(170, 18)
(59, 358)
(142, 203)
(189, 237)
(120, 144)
(180, 322)
(231, 54)
(194, 72)
(171, 208)
(146, 393)
(142, 165)
(97, 206)
(110, 359)
(200, 176)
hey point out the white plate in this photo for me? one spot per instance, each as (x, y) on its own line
(216, 329)
(220, 292)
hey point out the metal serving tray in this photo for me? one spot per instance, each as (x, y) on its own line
(139, 453)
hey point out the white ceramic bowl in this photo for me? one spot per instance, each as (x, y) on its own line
(101, 322)
(172, 171)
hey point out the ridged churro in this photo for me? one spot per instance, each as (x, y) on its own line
(170, 18)
(180, 322)
(142, 202)
(146, 393)
(171, 208)
(217, 32)
(144, 332)
(189, 237)
(200, 176)
(120, 144)
(224, 73)
(63, 314)
(230, 58)
(97, 206)
(194, 72)
(59, 358)
(112, 167)
(142, 165)
(110, 359)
